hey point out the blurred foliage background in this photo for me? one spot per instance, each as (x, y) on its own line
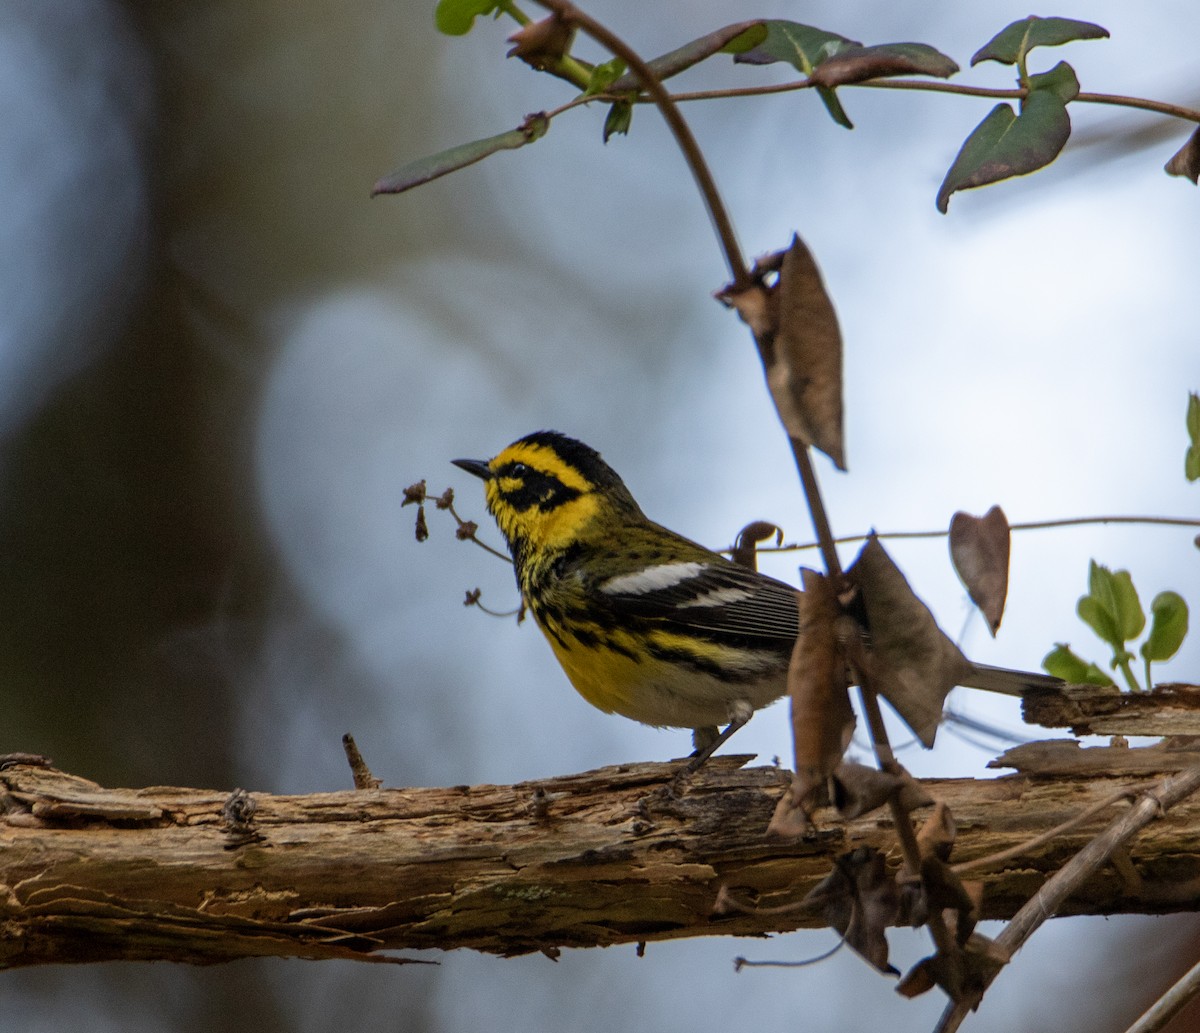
(220, 362)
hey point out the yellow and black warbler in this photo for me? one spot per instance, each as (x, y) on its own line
(645, 622)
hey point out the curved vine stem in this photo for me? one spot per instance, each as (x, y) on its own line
(568, 12)
(1028, 525)
(741, 276)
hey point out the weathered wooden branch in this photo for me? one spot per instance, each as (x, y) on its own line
(1049, 899)
(619, 854)
(1106, 710)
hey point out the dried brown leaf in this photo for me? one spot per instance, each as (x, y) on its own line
(542, 44)
(1186, 162)
(936, 837)
(962, 974)
(859, 899)
(859, 789)
(745, 547)
(945, 892)
(822, 718)
(912, 663)
(979, 549)
(917, 980)
(757, 308)
(805, 376)
(789, 821)
(796, 328)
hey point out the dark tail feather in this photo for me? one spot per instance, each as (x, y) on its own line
(1011, 683)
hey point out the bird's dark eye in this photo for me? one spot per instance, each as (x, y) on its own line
(519, 469)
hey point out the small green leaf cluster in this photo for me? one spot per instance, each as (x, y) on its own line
(1008, 143)
(1113, 610)
(1005, 144)
(1191, 462)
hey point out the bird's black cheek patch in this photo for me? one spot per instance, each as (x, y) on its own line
(546, 493)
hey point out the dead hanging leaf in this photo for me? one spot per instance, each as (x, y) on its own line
(979, 549)
(796, 328)
(912, 663)
(1186, 161)
(917, 980)
(745, 547)
(542, 44)
(822, 719)
(859, 789)
(945, 892)
(962, 974)
(789, 820)
(805, 376)
(936, 836)
(859, 899)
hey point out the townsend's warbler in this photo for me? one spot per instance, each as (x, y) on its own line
(645, 623)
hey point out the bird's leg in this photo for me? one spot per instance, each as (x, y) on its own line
(708, 740)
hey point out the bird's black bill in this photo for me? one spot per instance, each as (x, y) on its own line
(478, 467)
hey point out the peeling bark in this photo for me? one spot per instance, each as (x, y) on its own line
(616, 855)
(1106, 710)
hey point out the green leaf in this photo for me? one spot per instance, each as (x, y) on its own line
(801, 46)
(424, 169)
(1099, 620)
(1191, 462)
(1064, 664)
(1112, 608)
(858, 64)
(1004, 145)
(804, 48)
(1131, 618)
(739, 35)
(1168, 626)
(603, 76)
(455, 17)
(1061, 80)
(747, 40)
(834, 106)
(1010, 45)
(618, 119)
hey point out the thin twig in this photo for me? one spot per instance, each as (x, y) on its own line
(363, 779)
(932, 86)
(901, 821)
(1031, 525)
(1046, 902)
(816, 509)
(740, 963)
(1023, 849)
(1159, 107)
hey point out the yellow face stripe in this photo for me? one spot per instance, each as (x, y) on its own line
(540, 457)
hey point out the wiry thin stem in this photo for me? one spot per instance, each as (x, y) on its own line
(1045, 903)
(1029, 525)
(932, 86)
